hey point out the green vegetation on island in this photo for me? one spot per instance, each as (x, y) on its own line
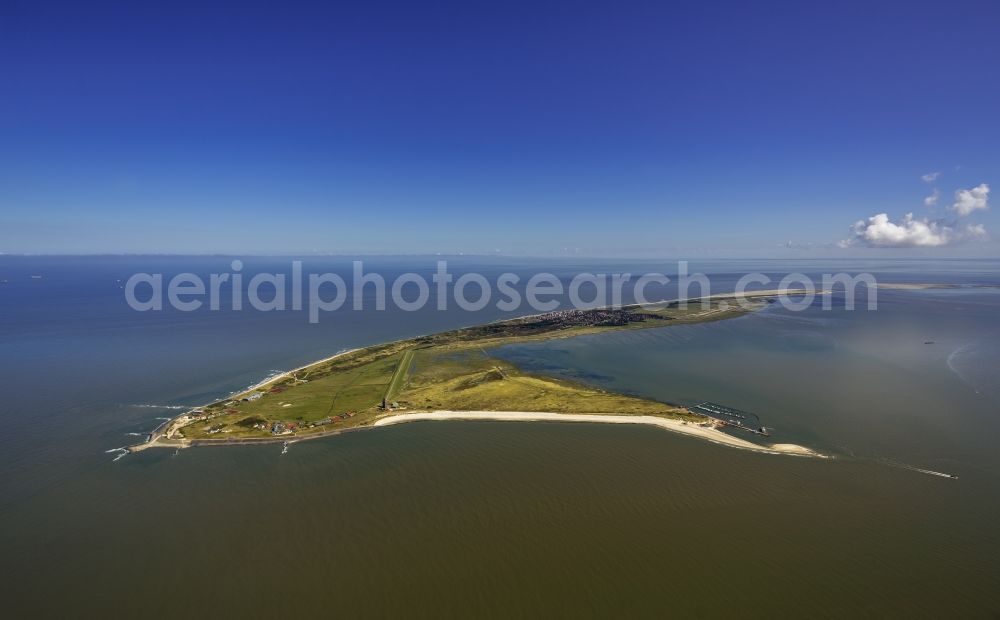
(447, 371)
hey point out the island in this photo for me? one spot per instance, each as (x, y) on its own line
(453, 376)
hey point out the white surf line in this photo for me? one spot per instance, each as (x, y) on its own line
(121, 452)
(287, 373)
(147, 406)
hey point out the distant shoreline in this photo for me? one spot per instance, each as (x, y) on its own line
(906, 286)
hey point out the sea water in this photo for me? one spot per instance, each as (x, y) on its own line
(504, 518)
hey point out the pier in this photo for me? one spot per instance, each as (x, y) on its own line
(743, 420)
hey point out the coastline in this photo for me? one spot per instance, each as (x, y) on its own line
(906, 286)
(707, 433)
(169, 427)
(288, 373)
(165, 434)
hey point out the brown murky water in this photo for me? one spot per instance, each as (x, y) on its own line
(502, 519)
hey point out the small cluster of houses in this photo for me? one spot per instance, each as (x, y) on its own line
(282, 428)
(275, 428)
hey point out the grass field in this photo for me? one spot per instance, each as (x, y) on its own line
(470, 380)
(357, 389)
(399, 375)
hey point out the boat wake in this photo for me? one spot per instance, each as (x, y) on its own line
(881, 460)
(955, 360)
(976, 364)
(929, 472)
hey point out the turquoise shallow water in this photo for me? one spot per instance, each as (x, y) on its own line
(498, 519)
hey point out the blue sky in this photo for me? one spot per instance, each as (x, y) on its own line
(604, 129)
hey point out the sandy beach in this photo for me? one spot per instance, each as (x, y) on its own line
(677, 426)
(168, 440)
(288, 373)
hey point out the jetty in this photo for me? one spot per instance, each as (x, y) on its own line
(729, 416)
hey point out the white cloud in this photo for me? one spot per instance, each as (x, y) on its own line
(930, 177)
(932, 200)
(879, 232)
(969, 200)
(976, 231)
